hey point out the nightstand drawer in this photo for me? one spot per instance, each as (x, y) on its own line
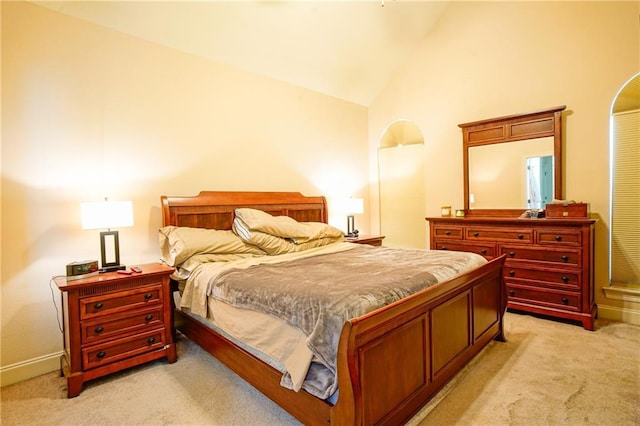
(122, 325)
(97, 355)
(109, 304)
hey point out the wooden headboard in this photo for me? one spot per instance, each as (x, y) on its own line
(215, 209)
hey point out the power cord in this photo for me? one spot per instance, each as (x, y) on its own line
(53, 299)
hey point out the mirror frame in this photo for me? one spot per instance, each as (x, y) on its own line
(511, 128)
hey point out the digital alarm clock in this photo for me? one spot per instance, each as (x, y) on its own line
(82, 269)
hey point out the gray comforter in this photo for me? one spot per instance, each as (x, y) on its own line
(318, 294)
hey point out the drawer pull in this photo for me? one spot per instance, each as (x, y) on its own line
(447, 233)
(99, 329)
(475, 234)
(148, 296)
(483, 251)
(565, 300)
(512, 293)
(520, 236)
(98, 305)
(565, 257)
(148, 317)
(558, 238)
(101, 354)
(512, 253)
(150, 340)
(443, 248)
(565, 279)
(512, 273)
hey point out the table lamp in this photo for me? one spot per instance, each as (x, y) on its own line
(106, 215)
(353, 206)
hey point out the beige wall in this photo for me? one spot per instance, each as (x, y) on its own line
(88, 113)
(489, 59)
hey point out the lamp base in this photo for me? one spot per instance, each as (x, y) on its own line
(352, 232)
(105, 269)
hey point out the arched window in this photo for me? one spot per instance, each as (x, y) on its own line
(624, 238)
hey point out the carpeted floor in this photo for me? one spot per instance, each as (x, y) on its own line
(547, 373)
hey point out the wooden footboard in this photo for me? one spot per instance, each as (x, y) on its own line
(391, 362)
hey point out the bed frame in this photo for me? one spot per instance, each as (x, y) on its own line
(390, 361)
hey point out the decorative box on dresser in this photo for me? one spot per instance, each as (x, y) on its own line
(549, 264)
(114, 321)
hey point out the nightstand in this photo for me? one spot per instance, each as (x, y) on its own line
(114, 321)
(372, 240)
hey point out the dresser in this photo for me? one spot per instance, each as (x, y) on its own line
(549, 262)
(114, 321)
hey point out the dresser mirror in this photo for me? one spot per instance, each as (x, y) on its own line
(512, 163)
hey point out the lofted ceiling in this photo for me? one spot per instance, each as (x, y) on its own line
(347, 49)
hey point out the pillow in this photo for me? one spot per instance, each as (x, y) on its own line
(247, 220)
(273, 245)
(177, 244)
(282, 234)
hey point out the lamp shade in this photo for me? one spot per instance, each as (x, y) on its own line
(354, 206)
(107, 214)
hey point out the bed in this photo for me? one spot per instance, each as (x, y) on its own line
(389, 362)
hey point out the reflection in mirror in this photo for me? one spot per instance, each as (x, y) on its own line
(539, 181)
(521, 170)
(401, 185)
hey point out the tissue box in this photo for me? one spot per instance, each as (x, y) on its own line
(567, 210)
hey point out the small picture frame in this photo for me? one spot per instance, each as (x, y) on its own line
(445, 211)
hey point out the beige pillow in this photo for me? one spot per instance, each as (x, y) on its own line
(282, 234)
(248, 220)
(273, 245)
(177, 244)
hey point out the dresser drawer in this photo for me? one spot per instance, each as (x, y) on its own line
(97, 355)
(121, 325)
(498, 234)
(112, 303)
(486, 250)
(555, 299)
(448, 232)
(569, 280)
(568, 257)
(564, 238)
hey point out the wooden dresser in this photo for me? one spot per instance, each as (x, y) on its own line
(114, 321)
(549, 265)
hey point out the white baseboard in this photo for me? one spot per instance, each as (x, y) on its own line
(29, 369)
(631, 316)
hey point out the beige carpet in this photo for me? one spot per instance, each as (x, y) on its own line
(548, 373)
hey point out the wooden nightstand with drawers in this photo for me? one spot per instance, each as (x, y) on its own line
(114, 321)
(372, 240)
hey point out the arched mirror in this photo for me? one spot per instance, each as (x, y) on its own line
(401, 185)
(512, 163)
